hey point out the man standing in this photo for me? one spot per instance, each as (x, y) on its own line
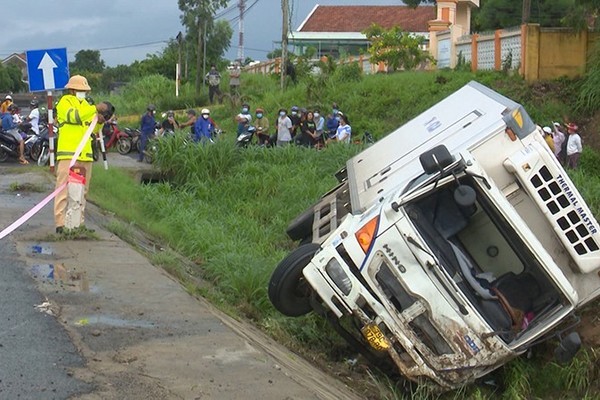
(574, 146)
(34, 116)
(213, 78)
(234, 79)
(284, 128)
(147, 126)
(74, 115)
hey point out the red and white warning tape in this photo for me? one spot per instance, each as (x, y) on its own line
(9, 229)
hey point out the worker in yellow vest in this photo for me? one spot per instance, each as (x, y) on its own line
(74, 115)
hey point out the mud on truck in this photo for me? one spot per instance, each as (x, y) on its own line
(451, 246)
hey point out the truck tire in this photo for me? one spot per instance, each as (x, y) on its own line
(288, 291)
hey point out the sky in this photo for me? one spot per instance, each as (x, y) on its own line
(128, 30)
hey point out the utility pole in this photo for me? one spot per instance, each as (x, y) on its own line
(284, 40)
(526, 11)
(178, 68)
(204, 60)
(242, 7)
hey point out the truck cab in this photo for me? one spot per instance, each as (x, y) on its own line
(460, 243)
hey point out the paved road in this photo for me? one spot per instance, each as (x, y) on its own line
(123, 328)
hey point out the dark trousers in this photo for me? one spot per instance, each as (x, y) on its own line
(212, 90)
(143, 142)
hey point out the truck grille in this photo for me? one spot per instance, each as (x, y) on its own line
(421, 325)
(566, 218)
(547, 184)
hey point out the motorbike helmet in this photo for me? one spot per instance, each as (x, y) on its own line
(151, 107)
(260, 110)
(205, 111)
(251, 129)
(294, 108)
(191, 111)
(34, 103)
(8, 97)
(12, 107)
(170, 113)
(78, 82)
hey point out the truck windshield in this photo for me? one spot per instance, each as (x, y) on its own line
(485, 257)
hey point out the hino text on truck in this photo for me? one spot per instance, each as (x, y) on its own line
(449, 247)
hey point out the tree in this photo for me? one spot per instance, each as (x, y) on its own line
(416, 3)
(87, 61)
(397, 48)
(198, 18)
(274, 54)
(498, 14)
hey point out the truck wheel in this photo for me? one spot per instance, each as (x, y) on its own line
(288, 291)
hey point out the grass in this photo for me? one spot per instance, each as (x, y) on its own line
(227, 209)
(26, 187)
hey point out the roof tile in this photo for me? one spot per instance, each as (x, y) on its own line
(359, 18)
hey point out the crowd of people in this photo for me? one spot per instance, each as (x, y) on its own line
(300, 126)
(567, 147)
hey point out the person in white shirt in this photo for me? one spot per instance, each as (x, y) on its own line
(574, 146)
(34, 116)
(284, 128)
(344, 130)
(559, 139)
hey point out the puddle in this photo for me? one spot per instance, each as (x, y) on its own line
(42, 249)
(42, 271)
(113, 321)
(58, 273)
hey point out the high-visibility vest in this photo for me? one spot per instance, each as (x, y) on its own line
(73, 117)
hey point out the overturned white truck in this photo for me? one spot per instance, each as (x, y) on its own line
(450, 246)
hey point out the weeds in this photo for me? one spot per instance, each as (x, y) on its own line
(26, 187)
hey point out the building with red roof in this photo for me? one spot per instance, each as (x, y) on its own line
(335, 30)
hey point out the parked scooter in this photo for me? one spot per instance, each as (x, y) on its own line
(112, 135)
(125, 144)
(9, 146)
(40, 150)
(245, 138)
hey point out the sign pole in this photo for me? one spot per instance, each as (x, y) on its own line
(51, 128)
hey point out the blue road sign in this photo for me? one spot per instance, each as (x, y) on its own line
(47, 69)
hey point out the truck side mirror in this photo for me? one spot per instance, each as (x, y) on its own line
(567, 348)
(436, 159)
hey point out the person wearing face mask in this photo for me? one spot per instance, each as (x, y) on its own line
(295, 118)
(147, 126)
(262, 127)
(205, 128)
(243, 118)
(319, 127)
(284, 128)
(73, 116)
(333, 121)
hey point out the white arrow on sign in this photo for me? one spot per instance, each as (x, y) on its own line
(47, 65)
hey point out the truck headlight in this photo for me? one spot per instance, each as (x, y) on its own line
(338, 276)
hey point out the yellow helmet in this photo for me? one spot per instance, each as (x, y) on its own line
(78, 82)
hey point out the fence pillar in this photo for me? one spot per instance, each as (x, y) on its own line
(497, 50)
(474, 57)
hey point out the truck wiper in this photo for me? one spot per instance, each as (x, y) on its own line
(435, 268)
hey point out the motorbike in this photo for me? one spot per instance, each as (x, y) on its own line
(40, 149)
(132, 140)
(245, 138)
(9, 146)
(113, 135)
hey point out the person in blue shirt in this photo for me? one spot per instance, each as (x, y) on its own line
(148, 124)
(344, 131)
(204, 127)
(333, 121)
(10, 127)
